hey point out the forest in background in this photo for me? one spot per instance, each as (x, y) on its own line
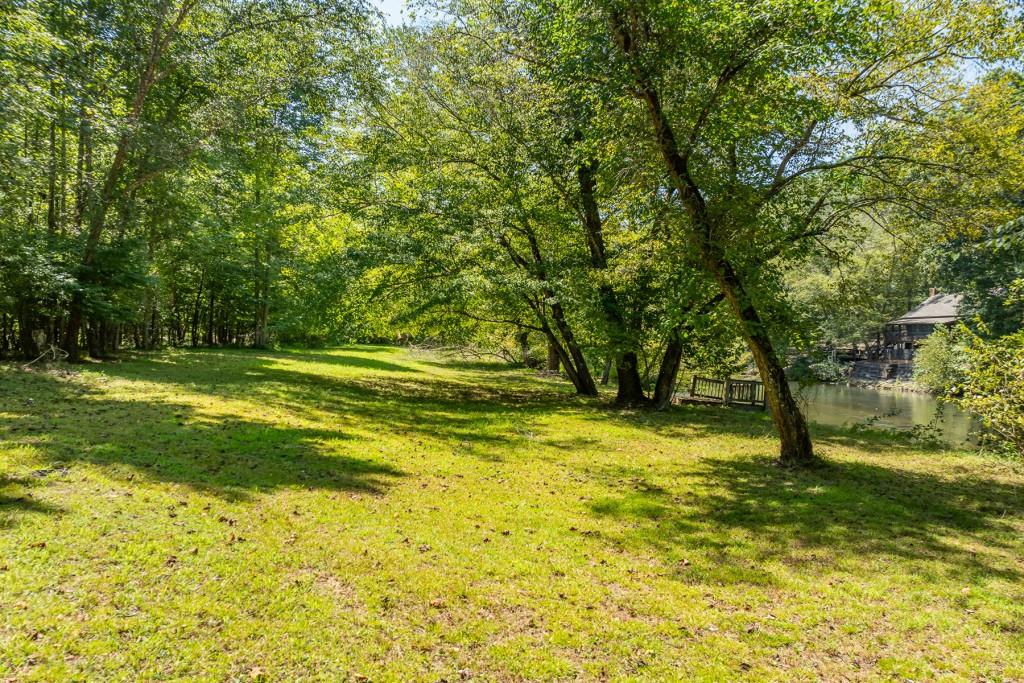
(605, 187)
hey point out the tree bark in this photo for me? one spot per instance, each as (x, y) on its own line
(74, 328)
(554, 362)
(209, 320)
(26, 342)
(196, 306)
(671, 361)
(585, 381)
(795, 447)
(523, 338)
(51, 189)
(261, 336)
(92, 339)
(558, 355)
(154, 324)
(668, 372)
(631, 387)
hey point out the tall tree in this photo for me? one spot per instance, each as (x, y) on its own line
(769, 118)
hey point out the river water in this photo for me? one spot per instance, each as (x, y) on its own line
(842, 405)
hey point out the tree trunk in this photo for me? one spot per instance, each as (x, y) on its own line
(209, 321)
(554, 362)
(95, 207)
(585, 383)
(51, 189)
(196, 309)
(631, 388)
(92, 340)
(523, 337)
(607, 372)
(153, 338)
(570, 355)
(74, 330)
(53, 333)
(795, 447)
(26, 342)
(557, 353)
(671, 361)
(668, 373)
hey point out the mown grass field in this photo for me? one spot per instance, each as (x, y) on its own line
(373, 514)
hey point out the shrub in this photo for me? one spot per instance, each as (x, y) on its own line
(941, 361)
(807, 369)
(993, 388)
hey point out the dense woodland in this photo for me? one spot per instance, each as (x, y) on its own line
(609, 188)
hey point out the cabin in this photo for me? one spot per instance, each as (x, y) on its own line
(902, 336)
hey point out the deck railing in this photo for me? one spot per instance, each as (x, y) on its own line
(729, 391)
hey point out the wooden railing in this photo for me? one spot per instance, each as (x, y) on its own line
(703, 387)
(729, 391)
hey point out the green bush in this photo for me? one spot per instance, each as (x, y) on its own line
(941, 361)
(807, 369)
(993, 388)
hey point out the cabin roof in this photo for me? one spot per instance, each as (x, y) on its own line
(936, 309)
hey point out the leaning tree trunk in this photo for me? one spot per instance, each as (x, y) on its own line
(569, 353)
(585, 384)
(559, 355)
(96, 208)
(795, 447)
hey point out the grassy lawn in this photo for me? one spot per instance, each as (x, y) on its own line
(371, 514)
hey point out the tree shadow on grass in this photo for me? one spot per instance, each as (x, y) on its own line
(687, 421)
(475, 414)
(350, 360)
(234, 455)
(457, 363)
(347, 357)
(16, 499)
(229, 455)
(749, 508)
(746, 507)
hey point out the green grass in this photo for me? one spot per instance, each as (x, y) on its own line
(368, 512)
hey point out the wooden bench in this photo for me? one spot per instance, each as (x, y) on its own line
(741, 392)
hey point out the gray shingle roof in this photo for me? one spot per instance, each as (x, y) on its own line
(937, 309)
